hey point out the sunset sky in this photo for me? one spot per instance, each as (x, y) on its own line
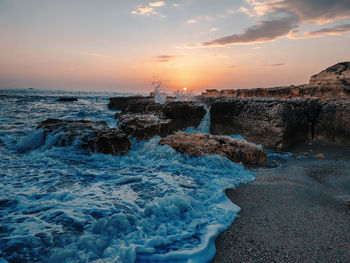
(122, 45)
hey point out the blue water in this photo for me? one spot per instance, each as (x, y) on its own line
(65, 204)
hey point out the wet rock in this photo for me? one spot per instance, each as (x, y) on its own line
(144, 126)
(143, 118)
(184, 114)
(67, 99)
(201, 144)
(94, 135)
(111, 141)
(274, 123)
(135, 104)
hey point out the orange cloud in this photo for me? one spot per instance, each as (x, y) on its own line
(165, 58)
(157, 4)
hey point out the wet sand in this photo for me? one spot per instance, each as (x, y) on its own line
(296, 212)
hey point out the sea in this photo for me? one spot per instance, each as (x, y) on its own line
(66, 204)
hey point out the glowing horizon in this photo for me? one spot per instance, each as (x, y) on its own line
(198, 44)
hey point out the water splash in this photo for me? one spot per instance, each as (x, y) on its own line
(159, 96)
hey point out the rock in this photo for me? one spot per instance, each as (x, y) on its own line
(333, 123)
(94, 135)
(184, 114)
(144, 126)
(320, 156)
(274, 123)
(142, 118)
(336, 74)
(67, 99)
(135, 104)
(111, 141)
(201, 144)
(332, 84)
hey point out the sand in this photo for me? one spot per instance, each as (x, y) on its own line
(298, 211)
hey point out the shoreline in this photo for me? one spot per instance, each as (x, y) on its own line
(296, 212)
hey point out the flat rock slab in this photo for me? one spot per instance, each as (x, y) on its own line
(201, 144)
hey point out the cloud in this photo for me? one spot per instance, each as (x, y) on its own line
(336, 30)
(246, 11)
(165, 58)
(275, 65)
(157, 4)
(318, 11)
(144, 10)
(264, 31)
(281, 18)
(191, 21)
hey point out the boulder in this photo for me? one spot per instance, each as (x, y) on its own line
(94, 135)
(201, 144)
(144, 126)
(67, 99)
(110, 141)
(275, 123)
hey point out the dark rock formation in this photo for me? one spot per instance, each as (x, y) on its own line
(67, 99)
(184, 114)
(282, 123)
(333, 123)
(274, 123)
(94, 135)
(201, 144)
(135, 104)
(144, 126)
(143, 118)
(110, 141)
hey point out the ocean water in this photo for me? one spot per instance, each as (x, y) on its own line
(65, 204)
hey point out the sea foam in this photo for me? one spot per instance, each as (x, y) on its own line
(65, 204)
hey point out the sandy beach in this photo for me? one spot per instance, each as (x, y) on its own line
(296, 212)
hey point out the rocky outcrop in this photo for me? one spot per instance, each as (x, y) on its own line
(201, 144)
(333, 123)
(67, 99)
(94, 135)
(338, 74)
(142, 118)
(280, 124)
(328, 92)
(274, 123)
(332, 84)
(144, 126)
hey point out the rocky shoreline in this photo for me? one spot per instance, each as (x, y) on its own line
(287, 207)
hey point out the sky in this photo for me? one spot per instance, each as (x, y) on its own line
(125, 45)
